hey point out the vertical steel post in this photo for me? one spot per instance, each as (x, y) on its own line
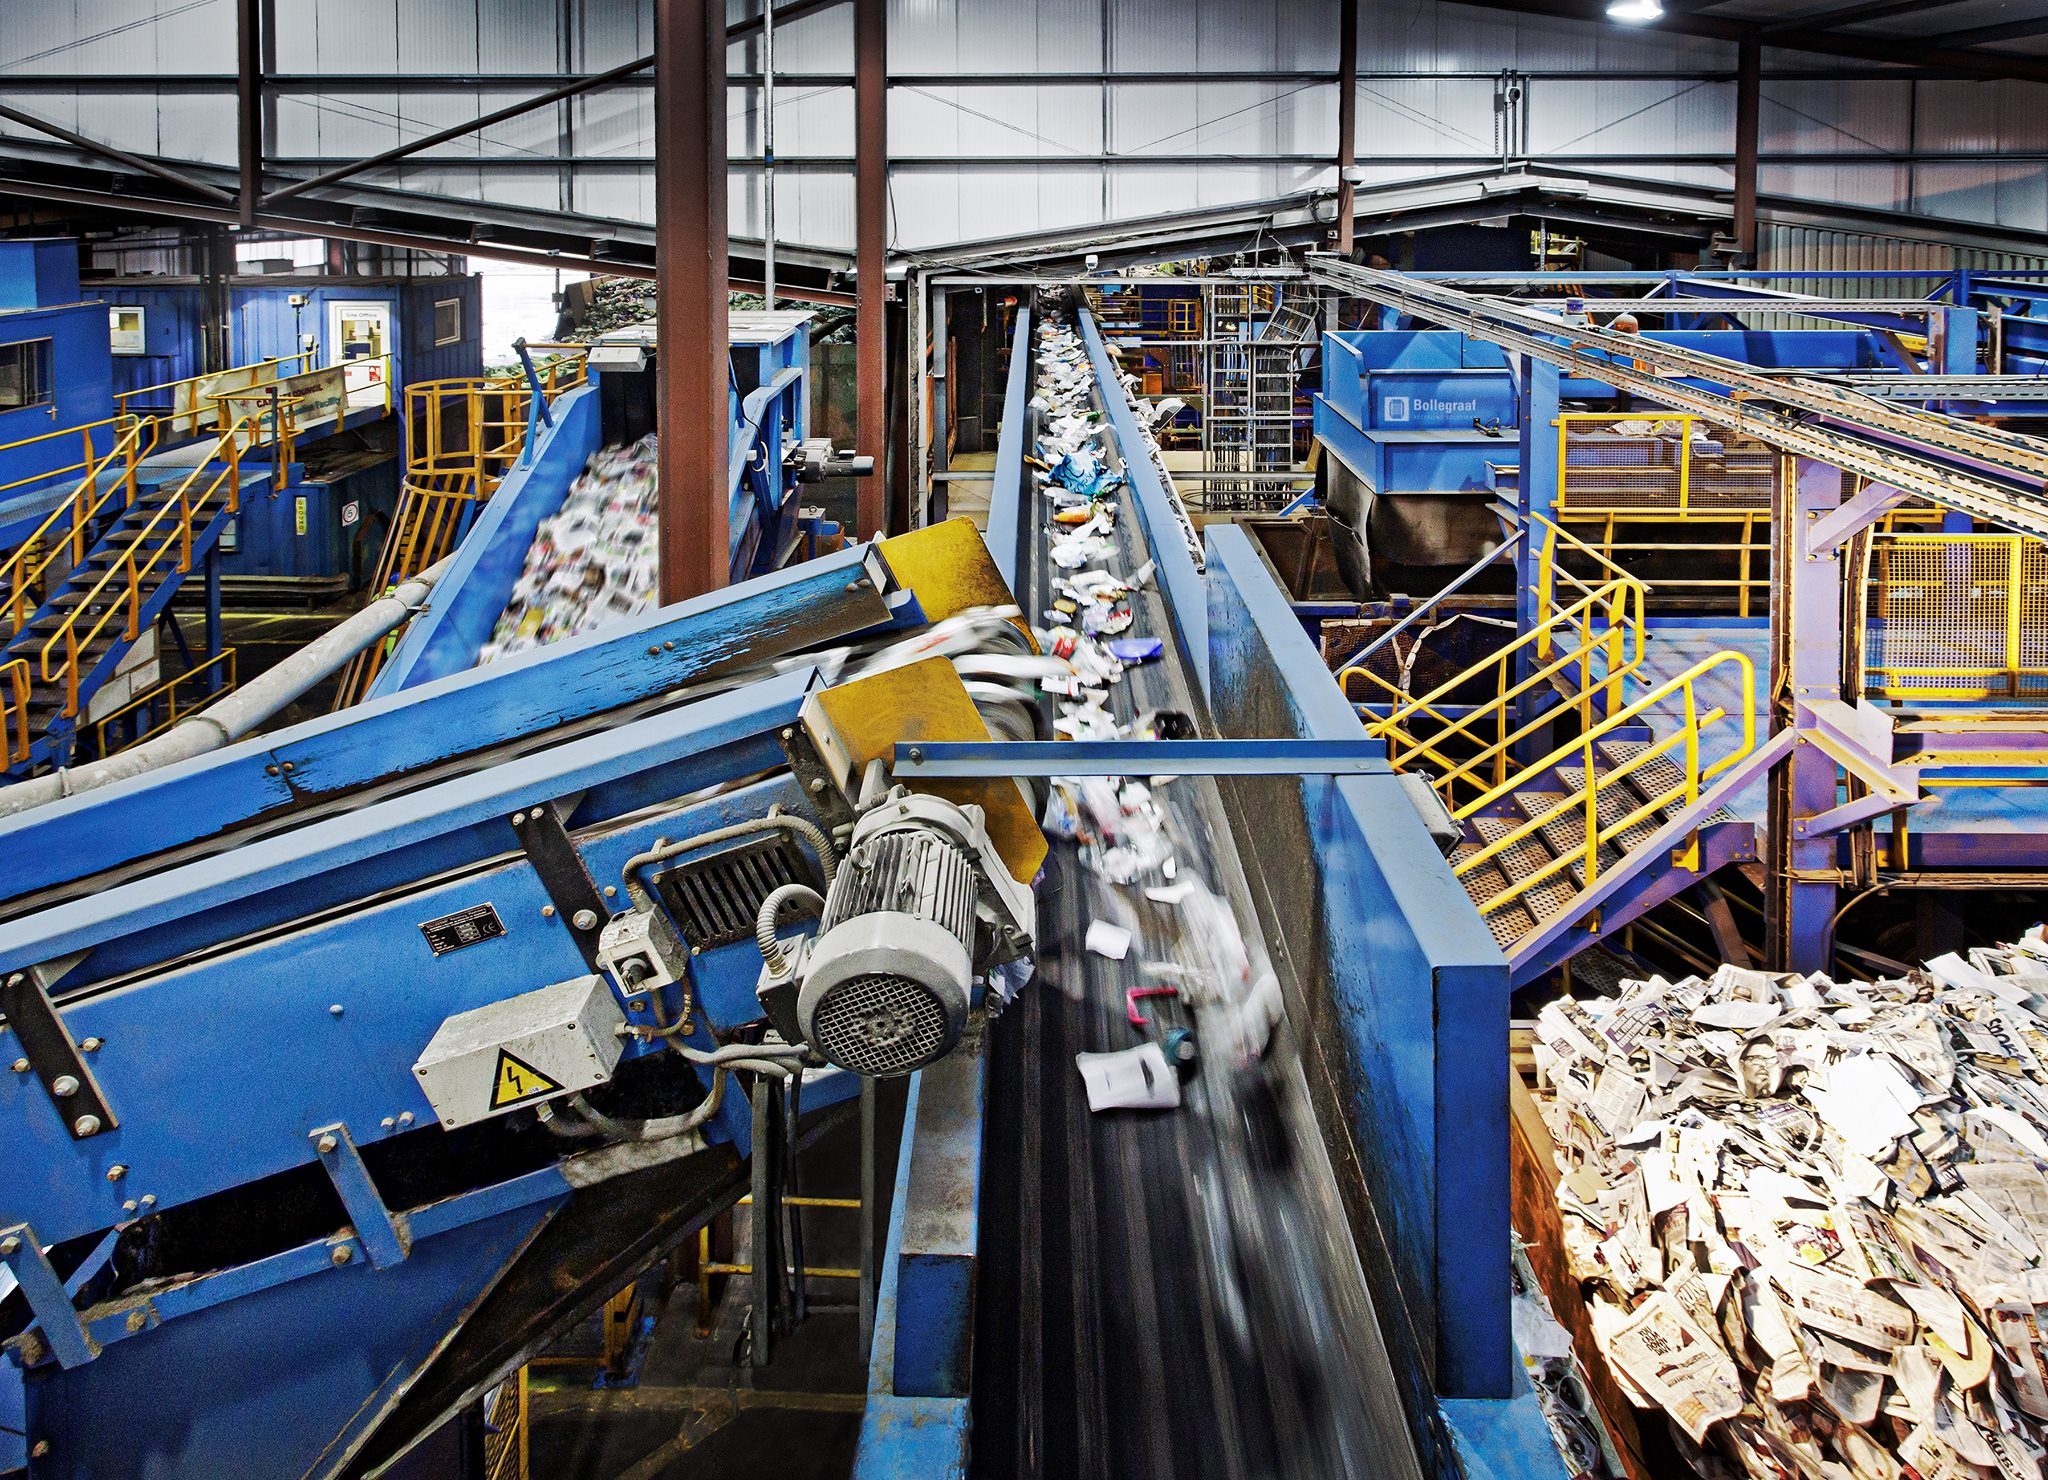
(1347, 117)
(692, 295)
(249, 103)
(768, 153)
(870, 209)
(1806, 666)
(1749, 73)
(1536, 495)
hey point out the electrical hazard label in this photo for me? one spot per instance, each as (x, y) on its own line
(516, 1081)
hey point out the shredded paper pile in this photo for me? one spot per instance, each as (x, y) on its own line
(594, 562)
(1810, 1217)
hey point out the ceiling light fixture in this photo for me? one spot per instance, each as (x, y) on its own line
(1635, 12)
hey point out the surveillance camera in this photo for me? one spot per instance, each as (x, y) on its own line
(1354, 175)
(1092, 261)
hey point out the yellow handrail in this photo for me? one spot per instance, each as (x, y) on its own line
(122, 398)
(446, 473)
(177, 534)
(1608, 627)
(168, 689)
(1694, 774)
(86, 460)
(20, 571)
(14, 735)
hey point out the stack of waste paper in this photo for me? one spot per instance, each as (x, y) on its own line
(596, 561)
(1809, 1217)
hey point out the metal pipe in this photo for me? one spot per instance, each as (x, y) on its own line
(249, 106)
(768, 153)
(240, 712)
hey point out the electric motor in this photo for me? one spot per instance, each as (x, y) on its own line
(920, 903)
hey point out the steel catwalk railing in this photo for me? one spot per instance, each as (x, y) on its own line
(88, 460)
(2005, 486)
(222, 662)
(15, 688)
(1588, 646)
(125, 399)
(22, 572)
(172, 528)
(1694, 772)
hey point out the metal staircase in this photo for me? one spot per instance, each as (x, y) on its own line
(71, 621)
(1587, 787)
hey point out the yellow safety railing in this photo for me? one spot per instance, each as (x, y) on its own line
(67, 532)
(93, 434)
(506, 1430)
(462, 438)
(1588, 639)
(123, 587)
(272, 413)
(1695, 771)
(1601, 469)
(1956, 616)
(707, 1267)
(14, 692)
(222, 661)
(156, 403)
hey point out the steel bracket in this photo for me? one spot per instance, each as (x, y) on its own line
(54, 1056)
(63, 1331)
(385, 1236)
(551, 851)
(811, 772)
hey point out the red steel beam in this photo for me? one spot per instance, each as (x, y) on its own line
(1347, 117)
(1748, 102)
(871, 226)
(690, 293)
(249, 105)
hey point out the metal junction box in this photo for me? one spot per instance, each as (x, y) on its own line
(521, 1051)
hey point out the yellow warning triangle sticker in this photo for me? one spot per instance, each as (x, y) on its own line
(517, 1080)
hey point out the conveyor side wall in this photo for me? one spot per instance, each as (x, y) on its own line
(1401, 995)
(470, 598)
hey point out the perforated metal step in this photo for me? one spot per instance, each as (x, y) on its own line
(1524, 860)
(1511, 921)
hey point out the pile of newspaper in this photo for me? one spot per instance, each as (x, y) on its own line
(1810, 1217)
(594, 562)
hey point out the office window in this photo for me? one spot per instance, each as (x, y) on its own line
(126, 327)
(447, 320)
(25, 375)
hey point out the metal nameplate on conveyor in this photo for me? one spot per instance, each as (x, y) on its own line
(468, 927)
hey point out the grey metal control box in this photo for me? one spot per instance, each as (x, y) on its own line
(501, 1057)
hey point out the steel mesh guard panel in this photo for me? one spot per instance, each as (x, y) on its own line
(1609, 470)
(1957, 617)
(879, 1024)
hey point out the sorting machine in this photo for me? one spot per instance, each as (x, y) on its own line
(351, 1064)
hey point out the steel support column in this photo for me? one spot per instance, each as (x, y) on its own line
(691, 294)
(1536, 491)
(1748, 100)
(1347, 118)
(871, 210)
(1806, 668)
(249, 104)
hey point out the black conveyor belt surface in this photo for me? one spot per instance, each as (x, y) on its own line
(1164, 1294)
